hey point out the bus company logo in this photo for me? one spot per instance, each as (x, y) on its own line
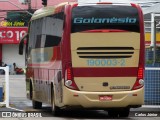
(80, 20)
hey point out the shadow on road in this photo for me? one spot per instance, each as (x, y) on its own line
(79, 114)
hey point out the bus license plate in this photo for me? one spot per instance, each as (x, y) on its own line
(105, 97)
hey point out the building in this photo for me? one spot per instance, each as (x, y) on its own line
(147, 17)
(14, 19)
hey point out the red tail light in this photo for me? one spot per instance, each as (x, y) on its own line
(69, 81)
(140, 73)
(139, 82)
(69, 74)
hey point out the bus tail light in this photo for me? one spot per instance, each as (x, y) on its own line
(139, 82)
(69, 81)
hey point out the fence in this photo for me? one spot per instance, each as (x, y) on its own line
(5, 87)
(152, 86)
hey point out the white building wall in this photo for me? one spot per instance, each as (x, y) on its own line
(10, 55)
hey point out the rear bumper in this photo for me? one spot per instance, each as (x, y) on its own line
(72, 98)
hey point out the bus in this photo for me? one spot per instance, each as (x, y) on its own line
(86, 56)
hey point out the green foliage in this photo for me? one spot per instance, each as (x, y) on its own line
(149, 61)
(149, 51)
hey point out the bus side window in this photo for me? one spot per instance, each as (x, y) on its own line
(52, 41)
(38, 41)
(53, 30)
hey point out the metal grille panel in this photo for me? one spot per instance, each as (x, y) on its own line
(152, 86)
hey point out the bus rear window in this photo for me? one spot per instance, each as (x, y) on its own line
(96, 17)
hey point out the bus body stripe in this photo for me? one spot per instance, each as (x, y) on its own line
(105, 72)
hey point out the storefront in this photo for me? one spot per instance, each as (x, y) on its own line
(9, 40)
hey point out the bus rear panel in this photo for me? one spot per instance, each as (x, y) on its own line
(107, 57)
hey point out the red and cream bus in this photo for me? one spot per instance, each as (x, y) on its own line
(87, 56)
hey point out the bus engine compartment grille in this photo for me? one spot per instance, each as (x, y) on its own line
(105, 52)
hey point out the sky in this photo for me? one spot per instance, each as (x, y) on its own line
(147, 5)
(141, 2)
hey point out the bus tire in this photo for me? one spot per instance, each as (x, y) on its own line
(36, 104)
(124, 112)
(56, 111)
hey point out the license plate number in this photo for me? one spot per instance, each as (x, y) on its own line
(105, 97)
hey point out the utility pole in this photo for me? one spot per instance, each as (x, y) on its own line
(29, 5)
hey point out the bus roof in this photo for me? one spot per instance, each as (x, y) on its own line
(45, 11)
(49, 10)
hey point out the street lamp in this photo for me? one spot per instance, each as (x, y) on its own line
(15, 5)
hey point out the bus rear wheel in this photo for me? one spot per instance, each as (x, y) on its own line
(56, 111)
(36, 104)
(124, 112)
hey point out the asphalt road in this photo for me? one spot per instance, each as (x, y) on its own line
(19, 102)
